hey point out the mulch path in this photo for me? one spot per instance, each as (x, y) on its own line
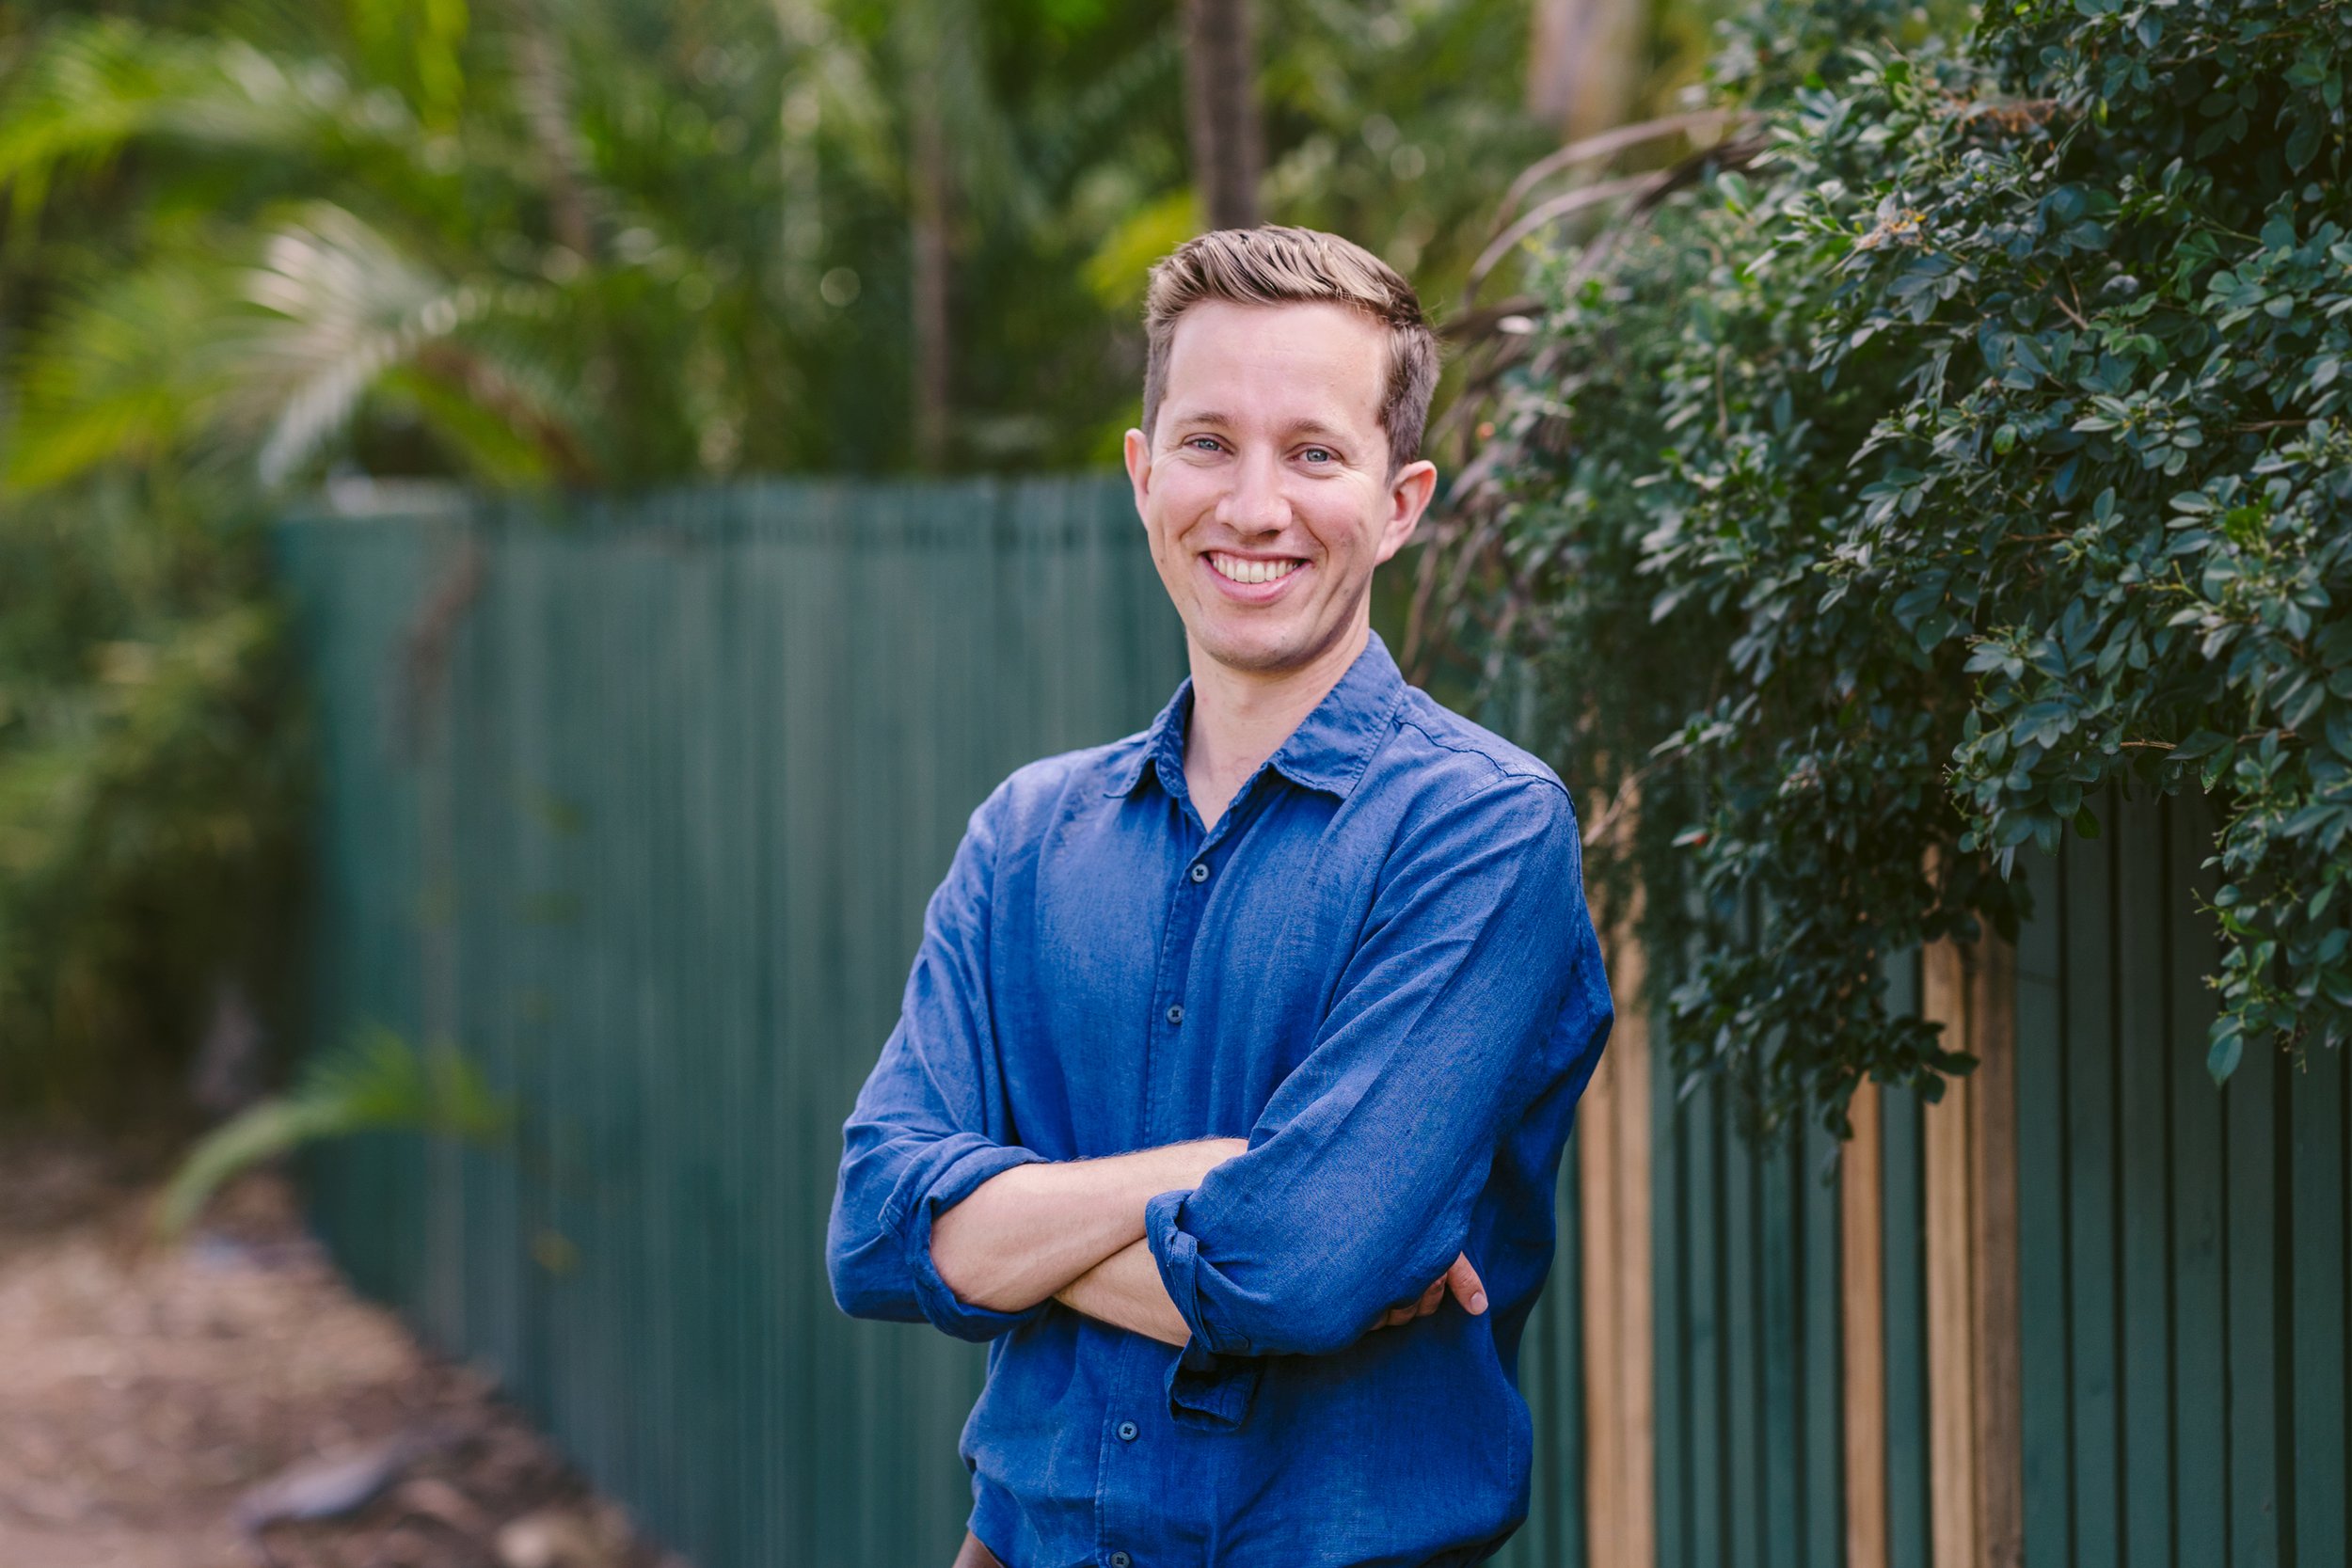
(148, 1395)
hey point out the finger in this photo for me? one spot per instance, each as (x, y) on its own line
(1430, 1298)
(1467, 1287)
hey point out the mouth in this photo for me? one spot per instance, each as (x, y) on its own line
(1253, 571)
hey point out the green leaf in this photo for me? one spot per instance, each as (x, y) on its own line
(2227, 1047)
(377, 1080)
(2303, 143)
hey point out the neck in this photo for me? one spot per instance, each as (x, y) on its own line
(1241, 717)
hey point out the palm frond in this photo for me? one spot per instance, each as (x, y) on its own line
(269, 341)
(375, 1082)
(91, 86)
(128, 367)
(343, 304)
(346, 306)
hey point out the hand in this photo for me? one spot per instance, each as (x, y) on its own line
(1459, 1278)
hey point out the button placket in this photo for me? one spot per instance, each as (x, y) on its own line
(1175, 966)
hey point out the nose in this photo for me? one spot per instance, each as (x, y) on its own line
(1255, 503)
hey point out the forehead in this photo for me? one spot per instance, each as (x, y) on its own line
(1310, 361)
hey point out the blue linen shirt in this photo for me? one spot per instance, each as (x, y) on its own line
(1377, 968)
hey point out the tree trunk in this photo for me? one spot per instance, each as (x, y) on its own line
(929, 192)
(543, 84)
(1582, 68)
(1221, 109)
(802, 26)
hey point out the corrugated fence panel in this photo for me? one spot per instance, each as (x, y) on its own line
(1551, 1371)
(2182, 1248)
(641, 804)
(1745, 1243)
(1904, 1278)
(642, 808)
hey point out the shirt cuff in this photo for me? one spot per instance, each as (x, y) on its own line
(949, 1185)
(1212, 1379)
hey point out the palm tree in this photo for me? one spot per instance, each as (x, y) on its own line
(590, 250)
(245, 244)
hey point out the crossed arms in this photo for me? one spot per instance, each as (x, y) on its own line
(1350, 1204)
(1073, 1230)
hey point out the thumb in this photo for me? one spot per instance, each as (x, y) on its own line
(1467, 1287)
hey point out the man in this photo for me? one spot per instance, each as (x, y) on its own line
(1229, 1091)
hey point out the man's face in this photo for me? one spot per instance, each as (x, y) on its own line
(1264, 483)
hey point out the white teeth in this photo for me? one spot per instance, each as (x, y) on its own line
(1240, 569)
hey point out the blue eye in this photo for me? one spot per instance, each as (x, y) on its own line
(1196, 443)
(1325, 452)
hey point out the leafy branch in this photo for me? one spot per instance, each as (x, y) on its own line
(1980, 448)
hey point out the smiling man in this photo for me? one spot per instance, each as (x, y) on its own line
(1230, 1090)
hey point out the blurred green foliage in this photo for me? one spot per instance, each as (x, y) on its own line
(374, 1081)
(623, 243)
(250, 245)
(148, 801)
(1978, 448)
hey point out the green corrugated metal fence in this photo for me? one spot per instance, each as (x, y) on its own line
(641, 807)
(1744, 1255)
(1551, 1375)
(2182, 1249)
(2181, 1256)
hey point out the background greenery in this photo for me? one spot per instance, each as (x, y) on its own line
(1956, 437)
(251, 246)
(1967, 444)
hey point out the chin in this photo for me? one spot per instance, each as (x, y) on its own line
(1263, 651)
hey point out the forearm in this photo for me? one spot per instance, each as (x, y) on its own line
(1125, 1290)
(1027, 1234)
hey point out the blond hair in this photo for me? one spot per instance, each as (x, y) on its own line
(1275, 265)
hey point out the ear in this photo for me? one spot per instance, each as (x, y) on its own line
(1138, 454)
(1409, 498)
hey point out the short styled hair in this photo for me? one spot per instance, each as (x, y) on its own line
(1276, 265)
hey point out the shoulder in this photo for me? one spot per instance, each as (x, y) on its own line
(1037, 795)
(1447, 765)
(1477, 827)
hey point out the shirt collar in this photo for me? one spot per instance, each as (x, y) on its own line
(1163, 743)
(1329, 751)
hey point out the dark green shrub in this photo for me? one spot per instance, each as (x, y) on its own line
(1980, 446)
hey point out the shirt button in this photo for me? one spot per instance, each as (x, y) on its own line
(1176, 1013)
(1127, 1430)
(1120, 1560)
(1201, 871)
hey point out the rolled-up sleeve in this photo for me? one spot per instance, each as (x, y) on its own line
(917, 1142)
(1475, 985)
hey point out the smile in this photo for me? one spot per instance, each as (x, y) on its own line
(1236, 568)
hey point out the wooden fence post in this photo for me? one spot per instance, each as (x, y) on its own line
(1975, 1397)
(1862, 1312)
(1613, 1182)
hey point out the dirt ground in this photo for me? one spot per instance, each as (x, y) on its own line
(166, 1408)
